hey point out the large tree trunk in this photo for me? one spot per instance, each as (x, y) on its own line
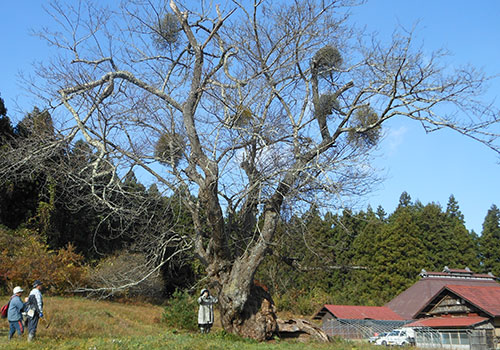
(256, 319)
(246, 307)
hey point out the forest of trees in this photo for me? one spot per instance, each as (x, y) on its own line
(51, 206)
(368, 257)
(364, 257)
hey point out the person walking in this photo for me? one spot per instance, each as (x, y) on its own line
(206, 311)
(14, 314)
(35, 310)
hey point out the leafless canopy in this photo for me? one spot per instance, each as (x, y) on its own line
(252, 108)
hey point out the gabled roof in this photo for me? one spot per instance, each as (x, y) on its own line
(448, 322)
(486, 299)
(352, 312)
(409, 303)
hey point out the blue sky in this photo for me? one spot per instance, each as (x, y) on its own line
(429, 167)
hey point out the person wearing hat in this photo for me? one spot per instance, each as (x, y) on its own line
(14, 314)
(35, 311)
(206, 311)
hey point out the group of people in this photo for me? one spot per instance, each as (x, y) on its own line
(32, 307)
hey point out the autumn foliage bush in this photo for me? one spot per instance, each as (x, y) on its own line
(25, 256)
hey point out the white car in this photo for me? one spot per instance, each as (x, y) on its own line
(376, 337)
(400, 336)
(382, 340)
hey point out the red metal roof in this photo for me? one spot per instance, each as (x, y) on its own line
(447, 322)
(352, 312)
(411, 301)
(485, 298)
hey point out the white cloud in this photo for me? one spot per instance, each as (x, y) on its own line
(393, 139)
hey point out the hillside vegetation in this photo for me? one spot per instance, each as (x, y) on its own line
(75, 323)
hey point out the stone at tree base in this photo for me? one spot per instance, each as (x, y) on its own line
(301, 329)
(259, 321)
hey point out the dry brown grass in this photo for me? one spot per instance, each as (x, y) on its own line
(83, 318)
(77, 323)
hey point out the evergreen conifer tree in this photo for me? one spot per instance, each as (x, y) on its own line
(490, 241)
(435, 236)
(404, 200)
(364, 251)
(399, 253)
(464, 244)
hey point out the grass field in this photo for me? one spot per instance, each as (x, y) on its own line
(75, 323)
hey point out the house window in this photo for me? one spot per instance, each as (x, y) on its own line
(445, 338)
(455, 338)
(434, 338)
(464, 338)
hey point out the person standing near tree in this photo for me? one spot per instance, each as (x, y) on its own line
(206, 311)
(35, 311)
(16, 307)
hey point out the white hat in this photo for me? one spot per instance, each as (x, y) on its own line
(18, 290)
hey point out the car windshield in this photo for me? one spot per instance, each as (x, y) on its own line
(394, 333)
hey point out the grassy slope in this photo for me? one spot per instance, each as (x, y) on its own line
(94, 325)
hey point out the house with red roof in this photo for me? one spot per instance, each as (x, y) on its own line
(452, 309)
(357, 322)
(409, 303)
(464, 316)
(352, 312)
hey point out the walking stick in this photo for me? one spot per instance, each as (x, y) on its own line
(46, 321)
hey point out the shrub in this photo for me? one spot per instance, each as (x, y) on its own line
(25, 256)
(118, 275)
(181, 312)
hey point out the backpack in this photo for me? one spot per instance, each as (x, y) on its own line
(33, 303)
(4, 310)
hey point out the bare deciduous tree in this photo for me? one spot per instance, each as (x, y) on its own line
(252, 109)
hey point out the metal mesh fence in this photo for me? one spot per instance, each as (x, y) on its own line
(460, 339)
(424, 337)
(359, 329)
